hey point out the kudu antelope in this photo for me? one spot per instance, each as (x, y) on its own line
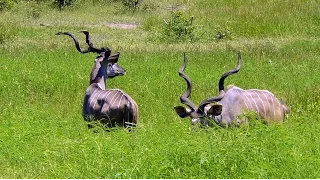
(227, 108)
(111, 107)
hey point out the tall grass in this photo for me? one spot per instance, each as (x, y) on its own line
(43, 79)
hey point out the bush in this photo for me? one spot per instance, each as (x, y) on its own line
(63, 3)
(6, 4)
(130, 4)
(222, 33)
(178, 28)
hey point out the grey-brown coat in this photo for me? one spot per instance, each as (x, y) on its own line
(111, 107)
(229, 105)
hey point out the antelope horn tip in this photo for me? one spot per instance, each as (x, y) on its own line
(84, 31)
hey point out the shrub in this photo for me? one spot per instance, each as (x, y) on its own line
(6, 4)
(130, 4)
(63, 3)
(178, 28)
(222, 33)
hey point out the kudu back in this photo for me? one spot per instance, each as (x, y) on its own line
(228, 107)
(110, 107)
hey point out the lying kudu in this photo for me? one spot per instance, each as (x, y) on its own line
(227, 108)
(111, 107)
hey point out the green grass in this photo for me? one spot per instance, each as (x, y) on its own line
(43, 80)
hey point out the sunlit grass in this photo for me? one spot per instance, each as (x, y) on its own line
(43, 80)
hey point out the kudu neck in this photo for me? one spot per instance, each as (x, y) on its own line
(99, 76)
(102, 83)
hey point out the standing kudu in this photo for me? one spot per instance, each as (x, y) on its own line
(111, 107)
(226, 108)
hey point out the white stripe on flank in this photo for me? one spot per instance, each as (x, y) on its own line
(243, 92)
(107, 93)
(96, 98)
(118, 97)
(272, 97)
(113, 98)
(264, 108)
(120, 102)
(105, 97)
(240, 91)
(255, 104)
(264, 93)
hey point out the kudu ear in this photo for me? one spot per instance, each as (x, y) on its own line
(107, 60)
(112, 59)
(182, 111)
(215, 110)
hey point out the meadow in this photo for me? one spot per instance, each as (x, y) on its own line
(43, 79)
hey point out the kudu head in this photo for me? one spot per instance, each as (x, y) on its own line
(105, 66)
(205, 109)
(108, 63)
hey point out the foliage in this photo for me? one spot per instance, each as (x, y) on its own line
(6, 4)
(178, 27)
(64, 3)
(130, 4)
(134, 6)
(223, 33)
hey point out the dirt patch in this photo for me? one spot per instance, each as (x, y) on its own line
(122, 26)
(112, 25)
